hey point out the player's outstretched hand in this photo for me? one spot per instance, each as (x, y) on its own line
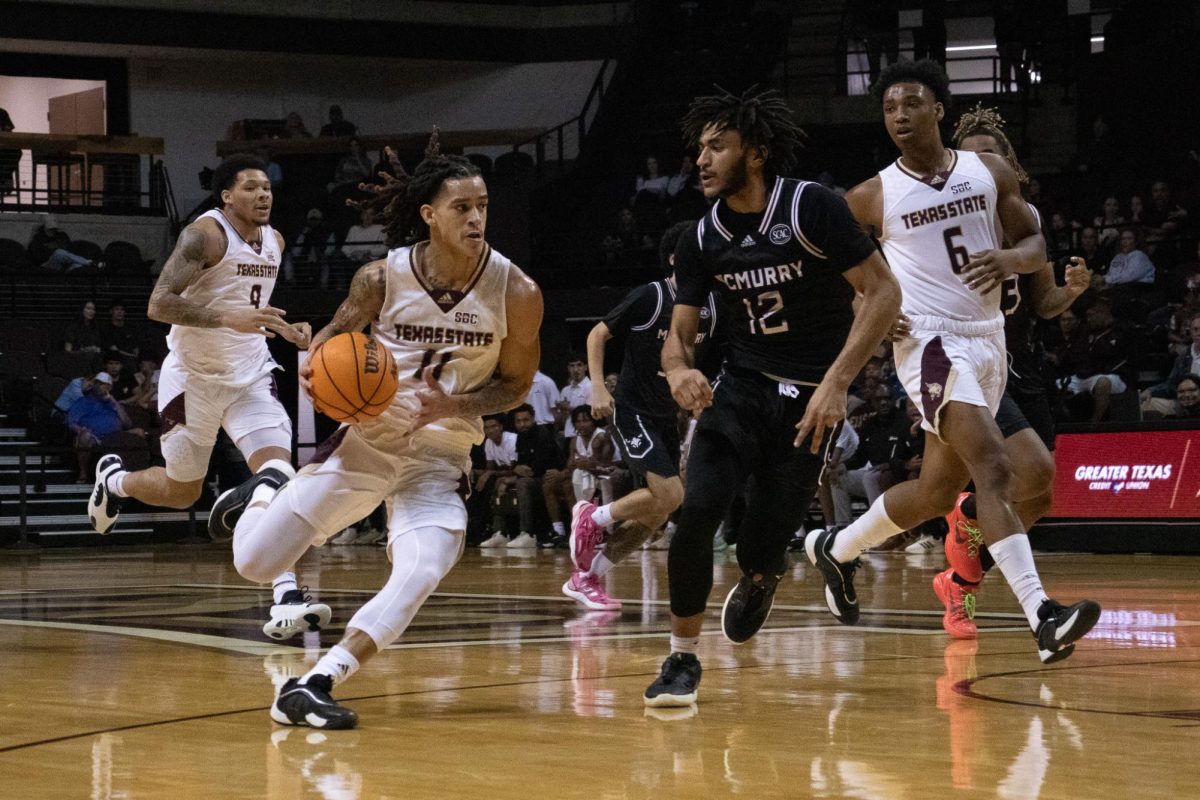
(690, 389)
(602, 401)
(826, 408)
(435, 404)
(267, 321)
(299, 334)
(987, 270)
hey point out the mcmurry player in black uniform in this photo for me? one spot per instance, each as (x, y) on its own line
(787, 259)
(645, 423)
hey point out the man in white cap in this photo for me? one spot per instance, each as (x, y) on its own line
(95, 415)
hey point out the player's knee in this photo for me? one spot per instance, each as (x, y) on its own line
(668, 496)
(249, 565)
(993, 472)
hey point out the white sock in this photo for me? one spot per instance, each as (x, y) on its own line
(263, 494)
(600, 565)
(116, 483)
(559, 528)
(1015, 559)
(283, 584)
(872, 528)
(602, 516)
(681, 644)
(339, 664)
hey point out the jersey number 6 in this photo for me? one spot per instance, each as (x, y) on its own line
(958, 254)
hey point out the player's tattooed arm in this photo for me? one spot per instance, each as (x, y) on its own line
(361, 306)
(520, 355)
(201, 244)
(167, 304)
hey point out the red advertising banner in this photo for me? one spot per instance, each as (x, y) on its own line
(1148, 474)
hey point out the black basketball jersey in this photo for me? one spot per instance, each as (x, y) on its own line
(779, 273)
(1021, 336)
(639, 324)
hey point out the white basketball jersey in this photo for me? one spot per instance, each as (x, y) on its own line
(242, 279)
(930, 228)
(457, 333)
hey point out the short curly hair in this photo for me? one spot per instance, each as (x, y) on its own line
(926, 72)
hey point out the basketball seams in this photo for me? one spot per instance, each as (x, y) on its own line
(349, 416)
(335, 374)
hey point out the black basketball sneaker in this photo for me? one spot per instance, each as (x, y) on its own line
(839, 578)
(230, 505)
(678, 683)
(295, 613)
(309, 705)
(1060, 626)
(747, 607)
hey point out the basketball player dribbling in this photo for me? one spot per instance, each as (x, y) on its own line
(462, 322)
(215, 291)
(942, 217)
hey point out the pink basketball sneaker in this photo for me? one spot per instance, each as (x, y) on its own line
(585, 535)
(585, 588)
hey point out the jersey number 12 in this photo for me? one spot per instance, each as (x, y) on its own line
(764, 306)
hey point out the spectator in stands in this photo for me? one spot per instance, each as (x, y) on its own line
(1009, 30)
(142, 404)
(337, 125)
(576, 392)
(274, 170)
(687, 196)
(1109, 223)
(1137, 209)
(9, 159)
(118, 337)
(83, 335)
(48, 249)
(74, 390)
(929, 41)
(123, 383)
(624, 245)
(1159, 399)
(313, 249)
(590, 453)
(543, 399)
(1165, 221)
(537, 453)
(1060, 236)
(354, 168)
(1095, 358)
(1187, 398)
(294, 128)
(93, 417)
(868, 472)
(1094, 254)
(364, 241)
(500, 454)
(610, 381)
(877, 23)
(835, 472)
(651, 181)
(1131, 265)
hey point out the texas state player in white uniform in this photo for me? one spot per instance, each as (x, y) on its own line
(953, 227)
(462, 323)
(215, 291)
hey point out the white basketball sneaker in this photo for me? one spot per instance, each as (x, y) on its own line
(295, 614)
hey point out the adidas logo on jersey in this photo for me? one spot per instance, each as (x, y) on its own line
(446, 298)
(748, 241)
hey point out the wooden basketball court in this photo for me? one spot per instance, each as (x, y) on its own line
(143, 673)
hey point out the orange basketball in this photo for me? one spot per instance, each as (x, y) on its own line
(354, 378)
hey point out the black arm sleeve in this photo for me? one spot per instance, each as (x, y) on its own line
(693, 282)
(826, 220)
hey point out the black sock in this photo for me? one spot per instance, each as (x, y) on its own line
(960, 580)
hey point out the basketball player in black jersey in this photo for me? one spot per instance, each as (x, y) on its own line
(1024, 417)
(644, 424)
(787, 258)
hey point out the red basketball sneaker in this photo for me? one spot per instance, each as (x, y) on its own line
(959, 600)
(585, 535)
(963, 541)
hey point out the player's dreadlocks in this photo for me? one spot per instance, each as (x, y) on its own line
(763, 120)
(926, 72)
(396, 204)
(981, 121)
